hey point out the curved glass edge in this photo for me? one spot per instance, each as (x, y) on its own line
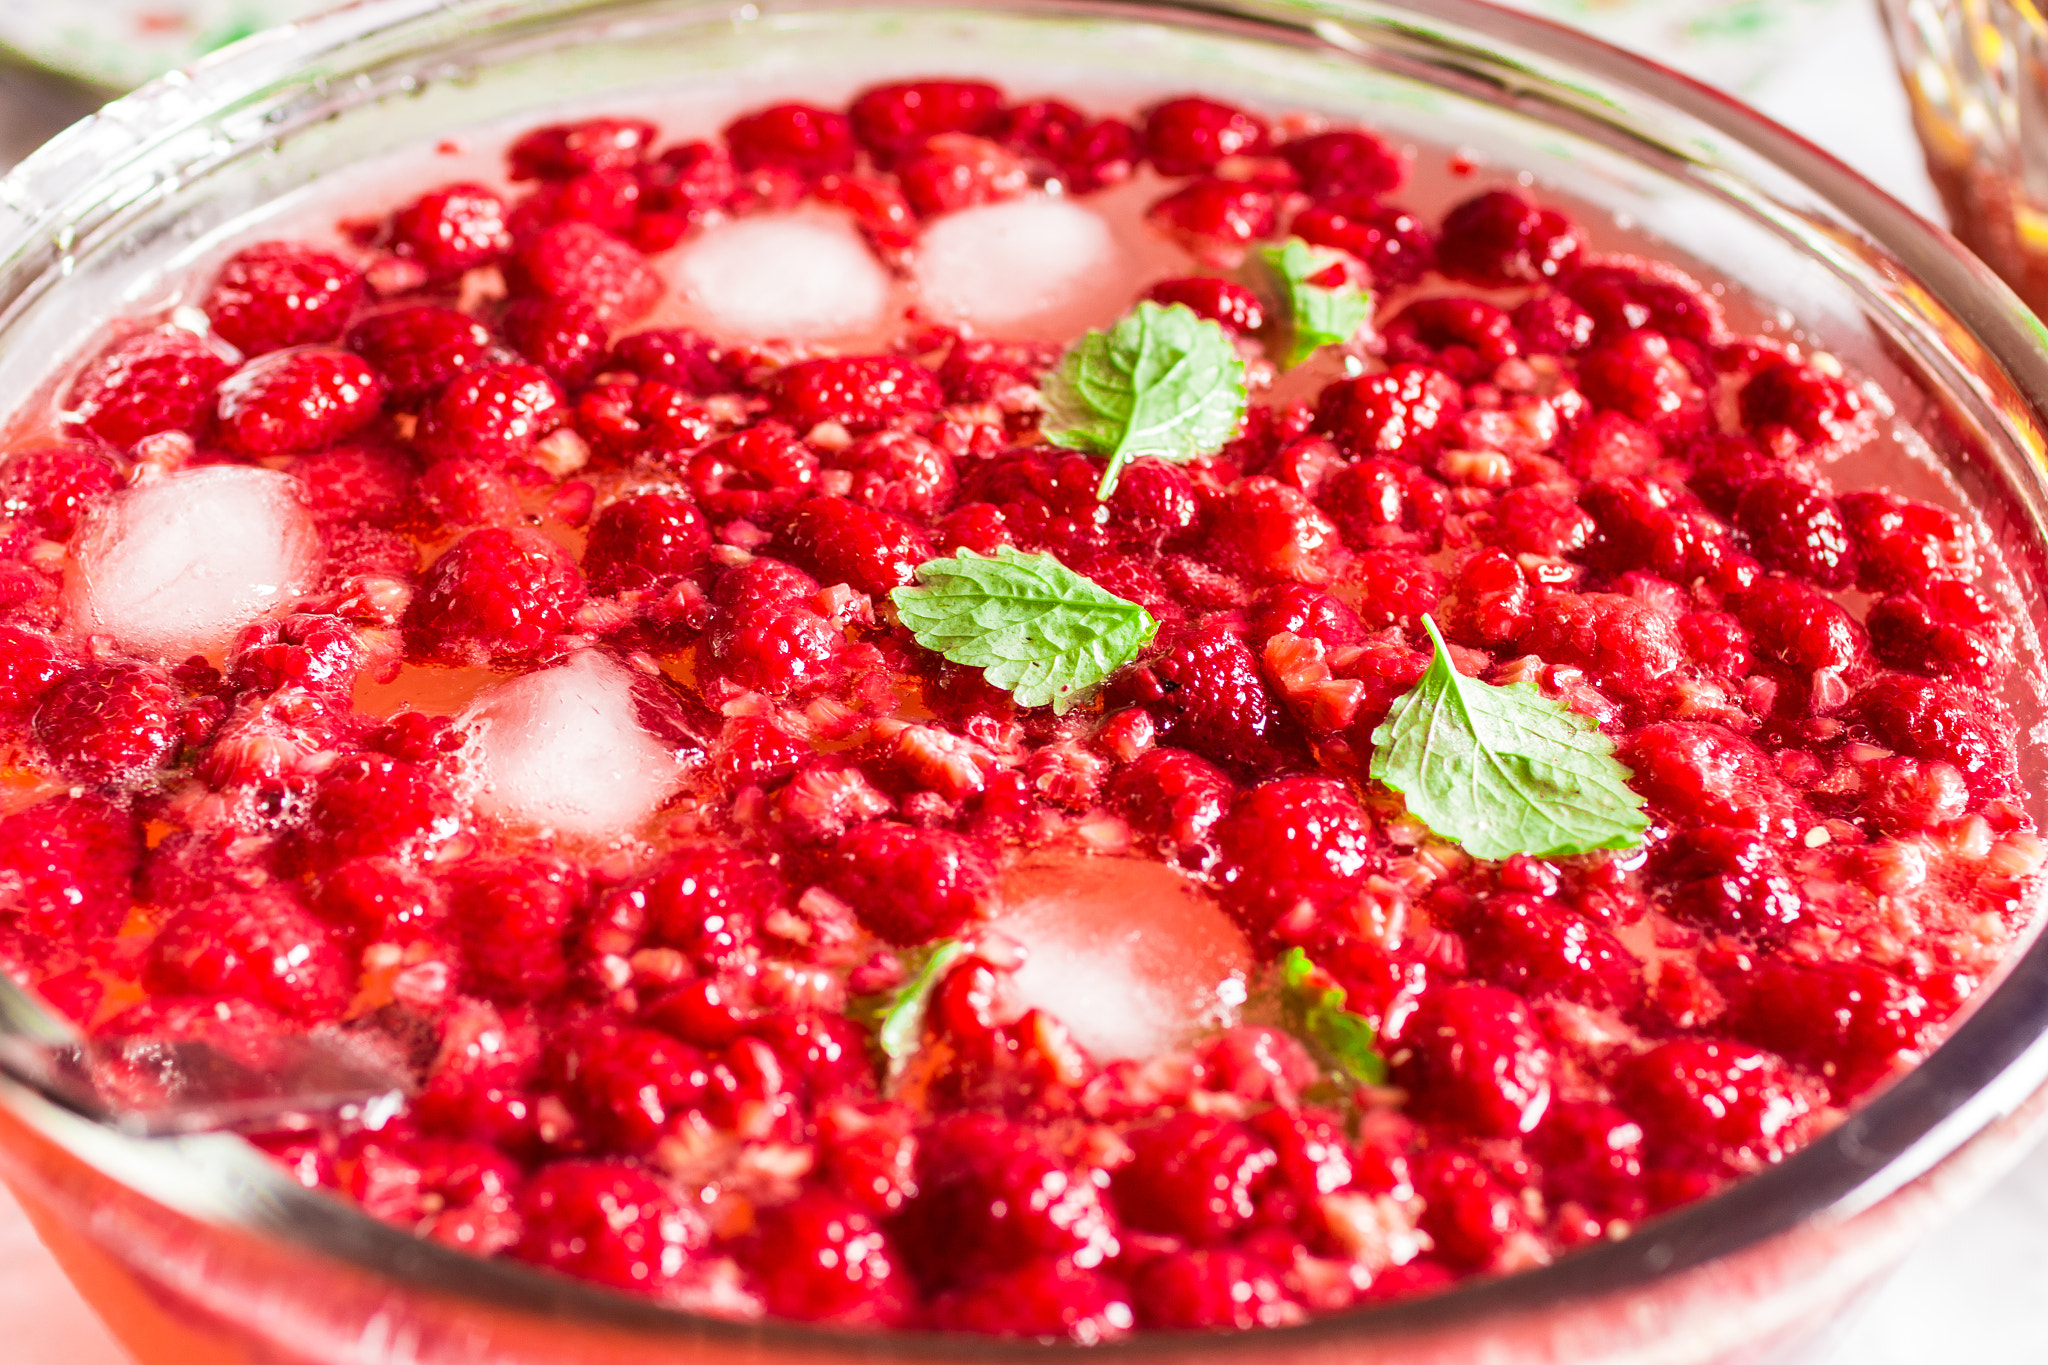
(1922, 286)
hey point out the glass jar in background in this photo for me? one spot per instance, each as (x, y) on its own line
(1976, 72)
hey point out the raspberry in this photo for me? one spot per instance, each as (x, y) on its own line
(1394, 245)
(497, 594)
(1175, 798)
(1235, 307)
(955, 171)
(754, 752)
(583, 262)
(757, 474)
(1308, 612)
(565, 337)
(381, 899)
(1801, 626)
(150, 382)
(1645, 525)
(1853, 1019)
(1502, 238)
(51, 487)
(296, 400)
(794, 137)
(1189, 135)
(1908, 795)
(1083, 155)
(301, 651)
(1195, 1176)
(1730, 880)
(1901, 543)
(1796, 527)
(689, 180)
(1472, 1056)
(895, 471)
(493, 414)
(1208, 694)
(1538, 520)
(1155, 504)
(858, 392)
(1345, 163)
(843, 542)
(1944, 627)
(675, 356)
(452, 229)
(1490, 603)
(705, 900)
(1942, 721)
(1386, 504)
(1695, 773)
(908, 885)
(370, 806)
(826, 1055)
(1537, 947)
(1467, 1211)
(1293, 846)
(1214, 219)
(30, 665)
(1406, 412)
(559, 151)
(1552, 324)
(1737, 1106)
(991, 1198)
(1626, 645)
(420, 349)
(1820, 410)
(1048, 1300)
(627, 1085)
(890, 120)
(645, 541)
(779, 650)
(604, 199)
(821, 1259)
(1622, 293)
(608, 1223)
(458, 1193)
(1593, 1154)
(1221, 1289)
(278, 294)
(363, 483)
(1263, 528)
(460, 493)
(262, 946)
(69, 863)
(512, 918)
(110, 723)
(1474, 333)
(1639, 376)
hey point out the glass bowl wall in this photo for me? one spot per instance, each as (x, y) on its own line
(197, 1250)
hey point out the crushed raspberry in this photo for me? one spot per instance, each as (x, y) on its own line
(280, 294)
(297, 400)
(162, 380)
(495, 594)
(909, 885)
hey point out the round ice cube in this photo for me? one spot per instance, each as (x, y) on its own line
(176, 567)
(801, 275)
(1035, 265)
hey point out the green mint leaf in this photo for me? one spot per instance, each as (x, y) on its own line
(1161, 381)
(899, 1018)
(1034, 627)
(1315, 1009)
(1504, 770)
(1315, 314)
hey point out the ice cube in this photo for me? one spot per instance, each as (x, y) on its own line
(804, 275)
(1038, 266)
(563, 749)
(176, 567)
(1134, 958)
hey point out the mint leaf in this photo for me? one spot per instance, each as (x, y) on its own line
(1161, 381)
(1314, 1006)
(1034, 627)
(899, 1018)
(1504, 770)
(1319, 303)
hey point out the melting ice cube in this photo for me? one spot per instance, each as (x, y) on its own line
(1131, 956)
(563, 749)
(802, 275)
(1039, 265)
(176, 567)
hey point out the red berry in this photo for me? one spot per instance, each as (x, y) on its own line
(565, 337)
(1082, 154)
(1503, 237)
(1736, 1106)
(1394, 245)
(110, 723)
(627, 1085)
(150, 382)
(858, 392)
(1472, 1056)
(50, 487)
(1944, 721)
(1219, 1289)
(493, 415)
(1214, 219)
(420, 348)
(1854, 1020)
(1552, 324)
(302, 650)
(821, 1259)
(70, 861)
(1821, 410)
(643, 541)
(909, 885)
(1645, 524)
(1237, 308)
(458, 1193)
(991, 1198)
(893, 119)
(705, 900)
(672, 355)
(1639, 376)
(1908, 795)
(1801, 626)
(1695, 773)
(1207, 693)
(1538, 947)
(1195, 1176)
(1469, 1213)
(373, 899)
(262, 946)
(452, 229)
(289, 401)
(1944, 627)
(278, 294)
(609, 1223)
(1189, 135)
(781, 650)
(843, 542)
(1730, 880)
(1177, 799)
(496, 594)
(757, 474)
(895, 471)
(1622, 293)
(1406, 412)
(1538, 520)
(363, 483)
(958, 171)
(1627, 645)
(1264, 528)
(30, 666)
(1796, 527)
(559, 151)
(1345, 162)
(795, 137)
(513, 918)
(370, 806)
(581, 261)
(1047, 1300)
(1293, 847)
(1901, 543)
(1592, 1154)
